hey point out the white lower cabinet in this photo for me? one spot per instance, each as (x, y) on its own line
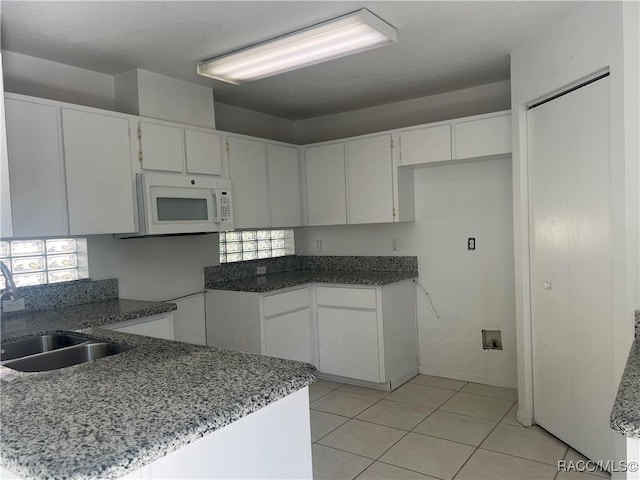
(348, 343)
(158, 326)
(364, 335)
(274, 324)
(289, 336)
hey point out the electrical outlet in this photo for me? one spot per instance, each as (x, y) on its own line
(261, 270)
(13, 305)
(471, 243)
(317, 246)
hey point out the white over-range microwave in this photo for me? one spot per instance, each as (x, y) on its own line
(173, 204)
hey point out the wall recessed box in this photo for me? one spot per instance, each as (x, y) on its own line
(491, 339)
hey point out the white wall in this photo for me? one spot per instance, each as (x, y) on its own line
(491, 97)
(240, 120)
(42, 78)
(470, 290)
(153, 268)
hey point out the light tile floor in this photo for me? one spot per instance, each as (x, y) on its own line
(429, 428)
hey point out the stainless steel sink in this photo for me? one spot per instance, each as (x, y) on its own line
(66, 357)
(54, 351)
(39, 344)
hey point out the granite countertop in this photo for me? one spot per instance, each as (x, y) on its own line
(277, 281)
(76, 317)
(625, 416)
(110, 417)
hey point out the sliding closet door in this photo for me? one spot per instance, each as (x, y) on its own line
(550, 310)
(590, 265)
(571, 268)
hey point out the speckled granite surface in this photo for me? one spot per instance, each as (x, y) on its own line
(79, 316)
(277, 281)
(57, 295)
(361, 263)
(625, 416)
(231, 271)
(117, 414)
(287, 272)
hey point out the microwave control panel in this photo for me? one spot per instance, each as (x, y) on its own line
(225, 205)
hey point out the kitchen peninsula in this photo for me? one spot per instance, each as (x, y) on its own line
(163, 409)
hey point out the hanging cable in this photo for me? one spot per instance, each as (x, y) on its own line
(429, 297)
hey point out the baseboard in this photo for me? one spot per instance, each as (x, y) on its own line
(465, 377)
(524, 418)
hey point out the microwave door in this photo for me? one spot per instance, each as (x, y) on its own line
(181, 210)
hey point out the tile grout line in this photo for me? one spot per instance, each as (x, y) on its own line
(349, 419)
(478, 447)
(375, 459)
(406, 432)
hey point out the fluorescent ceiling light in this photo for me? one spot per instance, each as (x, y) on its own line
(339, 37)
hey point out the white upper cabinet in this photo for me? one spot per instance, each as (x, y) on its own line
(326, 187)
(36, 169)
(483, 137)
(284, 186)
(249, 183)
(370, 179)
(97, 152)
(203, 152)
(161, 147)
(425, 145)
(459, 139)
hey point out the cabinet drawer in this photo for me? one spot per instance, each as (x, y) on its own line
(347, 297)
(286, 302)
(149, 327)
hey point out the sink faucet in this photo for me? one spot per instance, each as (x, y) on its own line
(11, 291)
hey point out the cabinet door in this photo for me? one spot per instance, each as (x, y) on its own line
(38, 191)
(284, 186)
(98, 170)
(248, 173)
(483, 137)
(326, 188)
(289, 336)
(156, 327)
(348, 341)
(370, 180)
(161, 147)
(425, 145)
(203, 152)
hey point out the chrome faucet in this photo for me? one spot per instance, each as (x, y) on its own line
(11, 291)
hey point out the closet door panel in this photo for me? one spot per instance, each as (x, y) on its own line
(590, 265)
(551, 329)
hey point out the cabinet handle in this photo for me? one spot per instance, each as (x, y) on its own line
(548, 285)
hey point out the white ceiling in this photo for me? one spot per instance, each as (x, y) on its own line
(442, 46)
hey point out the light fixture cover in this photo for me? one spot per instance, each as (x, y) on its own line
(335, 38)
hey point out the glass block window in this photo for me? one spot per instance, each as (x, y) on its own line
(35, 262)
(255, 244)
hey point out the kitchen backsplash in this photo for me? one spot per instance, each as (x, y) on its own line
(232, 271)
(57, 295)
(357, 263)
